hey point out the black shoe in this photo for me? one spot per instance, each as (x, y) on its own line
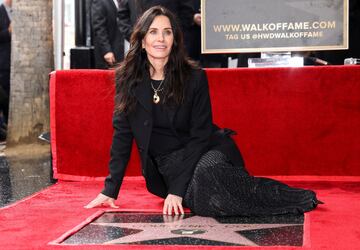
(317, 202)
(45, 137)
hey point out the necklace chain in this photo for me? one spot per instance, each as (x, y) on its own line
(156, 97)
(158, 88)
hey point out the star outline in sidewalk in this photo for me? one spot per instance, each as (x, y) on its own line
(230, 233)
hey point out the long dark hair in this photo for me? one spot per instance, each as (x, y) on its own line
(136, 65)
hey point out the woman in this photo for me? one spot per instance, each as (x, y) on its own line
(163, 103)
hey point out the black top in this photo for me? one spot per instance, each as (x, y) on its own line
(161, 131)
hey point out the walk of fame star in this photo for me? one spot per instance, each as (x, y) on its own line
(145, 229)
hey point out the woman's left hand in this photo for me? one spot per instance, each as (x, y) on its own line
(173, 203)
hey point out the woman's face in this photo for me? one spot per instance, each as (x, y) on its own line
(159, 39)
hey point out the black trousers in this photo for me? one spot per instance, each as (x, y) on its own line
(4, 92)
(218, 188)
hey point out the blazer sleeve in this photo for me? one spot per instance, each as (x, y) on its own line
(119, 155)
(99, 23)
(200, 133)
(124, 19)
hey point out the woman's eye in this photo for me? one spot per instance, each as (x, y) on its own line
(153, 32)
(168, 32)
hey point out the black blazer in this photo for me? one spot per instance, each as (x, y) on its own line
(131, 10)
(106, 33)
(192, 122)
(5, 39)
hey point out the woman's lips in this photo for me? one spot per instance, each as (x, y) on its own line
(160, 47)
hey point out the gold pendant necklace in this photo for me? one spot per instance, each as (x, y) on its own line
(156, 97)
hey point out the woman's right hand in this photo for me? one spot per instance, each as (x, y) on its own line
(102, 199)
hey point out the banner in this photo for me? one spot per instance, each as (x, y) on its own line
(230, 26)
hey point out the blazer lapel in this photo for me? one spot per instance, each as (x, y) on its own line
(143, 94)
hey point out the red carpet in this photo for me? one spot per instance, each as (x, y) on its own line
(43, 218)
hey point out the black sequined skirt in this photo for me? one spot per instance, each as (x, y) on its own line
(218, 188)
